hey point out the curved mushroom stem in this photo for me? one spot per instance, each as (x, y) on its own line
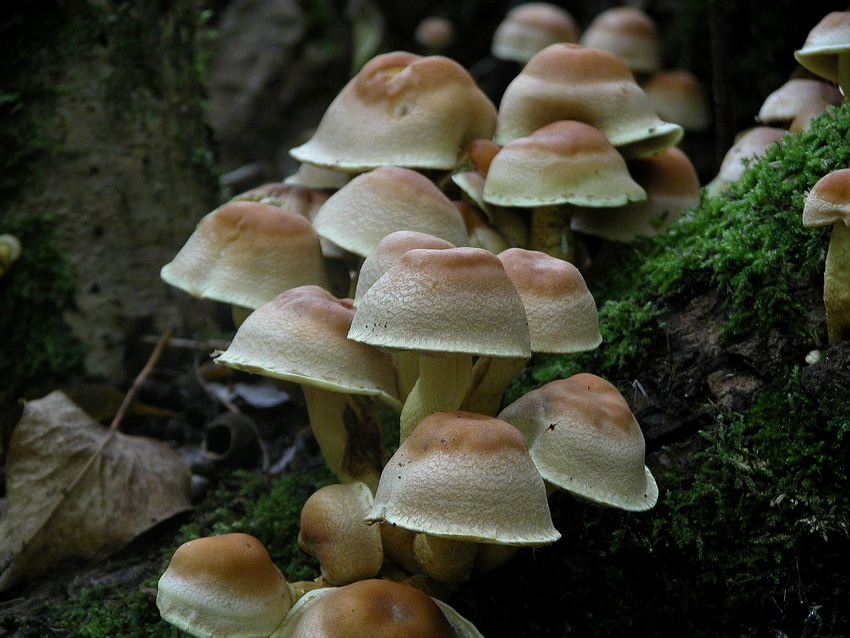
(442, 384)
(407, 371)
(490, 378)
(350, 439)
(836, 284)
(550, 232)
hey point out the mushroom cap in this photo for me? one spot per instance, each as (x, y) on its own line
(531, 27)
(434, 33)
(630, 34)
(672, 187)
(246, 253)
(454, 300)
(565, 162)
(749, 145)
(300, 336)
(332, 530)
(829, 200)
(585, 440)
(572, 82)
(473, 165)
(223, 586)
(796, 95)
(293, 197)
(373, 609)
(401, 109)
(467, 477)
(382, 201)
(313, 176)
(827, 39)
(561, 311)
(678, 96)
(387, 253)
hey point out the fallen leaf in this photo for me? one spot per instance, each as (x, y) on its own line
(76, 490)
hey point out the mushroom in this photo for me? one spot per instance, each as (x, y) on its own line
(630, 34)
(300, 336)
(530, 27)
(449, 305)
(332, 529)
(826, 51)
(677, 96)
(828, 204)
(223, 586)
(434, 34)
(795, 96)
(10, 251)
(749, 145)
(585, 440)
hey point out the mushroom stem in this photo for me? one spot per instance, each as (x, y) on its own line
(239, 314)
(844, 74)
(407, 371)
(443, 381)
(490, 378)
(444, 559)
(350, 440)
(550, 232)
(836, 284)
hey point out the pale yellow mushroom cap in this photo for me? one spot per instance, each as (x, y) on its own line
(300, 336)
(795, 96)
(829, 200)
(333, 530)
(565, 162)
(373, 609)
(630, 34)
(585, 440)
(452, 300)
(401, 109)
(531, 27)
(246, 253)
(561, 311)
(679, 97)
(382, 201)
(572, 82)
(223, 586)
(467, 477)
(828, 39)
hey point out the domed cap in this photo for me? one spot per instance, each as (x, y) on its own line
(584, 439)
(401, 110)
(531, 27)
(453, 300)
(561, 311)
(677, 96)
(223, 586)
(564, 162)
(749, 145)
(826, 41)
(380, 202)
(246, 253)
(332, 530)
(796, 95)
(373, 609)
(630, 34)
(829, 200)
(300, 336)
(572, 82)
(468, 477)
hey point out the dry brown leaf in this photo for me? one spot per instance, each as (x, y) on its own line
(76, 490)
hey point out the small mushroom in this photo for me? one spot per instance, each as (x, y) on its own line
(10, 251)
(530, 27)
(826, 51)
(630, 34)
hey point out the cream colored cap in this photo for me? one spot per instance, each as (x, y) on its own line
(333, 530)
(300, 336)
(749, 146)
(247, 253)
(677, 96)
(380, 202)
(565, 162)
(401, 109)
(223, 586)
(572, 82)
(561, 311)
(826, 41)
(467, 477)
(531, 27)
(796, 95)
(672, 187)
(829, 200)
(387, 253)
(453, 300)
(373, 609)
(585, 440)
(630, 34)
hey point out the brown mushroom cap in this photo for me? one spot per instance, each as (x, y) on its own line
(829, 200)
(468, 477)
(373, 205)
(829, 38)
(531, 27)
(796, 95)
(749, 145)
(572, 82)
(223, 585)
(630, 34)
(584, 439)
(401, 110)
(246, 253)
(565, 162)
(678, 96)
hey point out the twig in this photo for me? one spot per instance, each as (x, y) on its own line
(191, 344)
